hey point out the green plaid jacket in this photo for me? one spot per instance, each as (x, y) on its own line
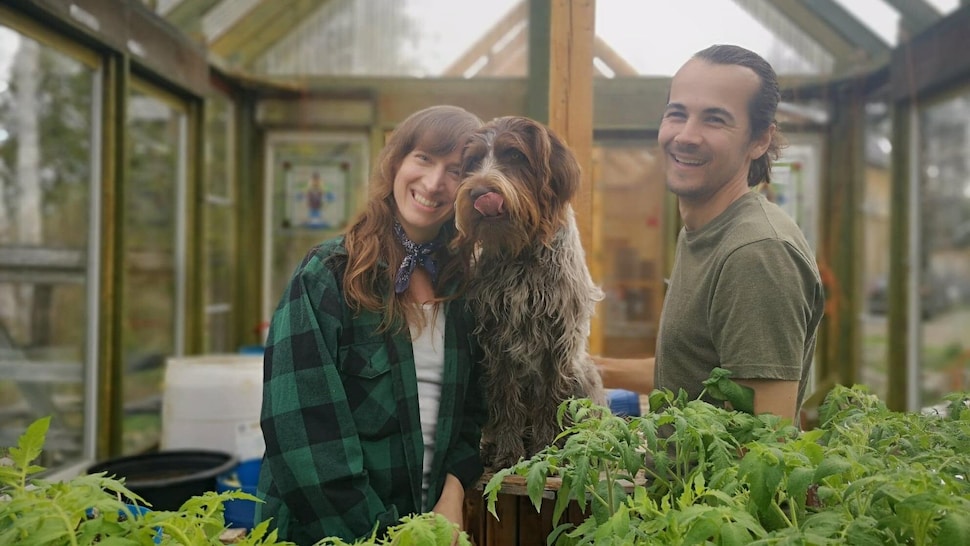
(344, 450)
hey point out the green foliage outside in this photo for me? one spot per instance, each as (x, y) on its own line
(689, 472)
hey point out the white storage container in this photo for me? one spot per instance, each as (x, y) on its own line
(213, 402)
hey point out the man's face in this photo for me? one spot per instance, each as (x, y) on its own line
(705, 132)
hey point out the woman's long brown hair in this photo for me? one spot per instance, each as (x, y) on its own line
(373, 251)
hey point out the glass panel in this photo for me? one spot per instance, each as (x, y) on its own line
(943, 259)
(298, 163)
(382, 38)
(150, 279)
(874, 371)
(420, 38)
(877, 15)
(220, 226)
(46, 130)
(219, 276)
(218, 153)
(945, 6)
(630, 180)
(634, 30)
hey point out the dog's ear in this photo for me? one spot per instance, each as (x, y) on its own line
(565, 172)
(555, 160)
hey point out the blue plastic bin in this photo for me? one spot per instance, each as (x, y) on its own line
(239, 514)
(623, 402)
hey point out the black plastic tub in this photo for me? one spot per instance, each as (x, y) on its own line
(167, 479)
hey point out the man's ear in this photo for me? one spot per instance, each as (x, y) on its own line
(760, 145)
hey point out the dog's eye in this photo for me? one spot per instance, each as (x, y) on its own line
(471, 164)
(514, 156)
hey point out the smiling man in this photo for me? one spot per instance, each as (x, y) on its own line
(745, 292)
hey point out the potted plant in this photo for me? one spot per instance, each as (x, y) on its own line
(97, 509)
(688, 472)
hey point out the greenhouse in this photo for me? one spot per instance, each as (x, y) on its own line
(165, 166)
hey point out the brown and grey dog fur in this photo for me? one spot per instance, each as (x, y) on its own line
(529, 286)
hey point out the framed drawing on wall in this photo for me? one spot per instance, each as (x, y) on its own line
(314, 183)
(316, 195)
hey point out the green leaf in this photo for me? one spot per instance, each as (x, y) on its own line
(536, 482)
(831, 465)
(658, 399)
(493, 487)
(734, 534)
(954, 528)
(721, 387)
(581, 476)
(716, 375)
(29, 446)
(826, 524)
(558, 532)
(562, 496)
(702, 529)
(864, 531)
(602, 509)
(763, 470)
(799, 480)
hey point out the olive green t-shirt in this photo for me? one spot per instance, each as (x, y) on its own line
(744, 295)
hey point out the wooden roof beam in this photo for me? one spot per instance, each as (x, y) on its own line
(482, 47)
(803, 19)
(188, 14)
(259, 24)
(849, 27)
(914, 16)
(271, 32)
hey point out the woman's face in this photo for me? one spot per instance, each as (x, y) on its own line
(424, 192)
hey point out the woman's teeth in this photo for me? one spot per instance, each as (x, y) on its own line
(425, 202)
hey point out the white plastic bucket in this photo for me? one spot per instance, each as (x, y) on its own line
(213, 402)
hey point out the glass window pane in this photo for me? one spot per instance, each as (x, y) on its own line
(877, 15)
(874, 371)
(218, 151)
(625, 27)
(631, 186)
(150, 258)
(46, 130)
(943, 259)
(220, 226)
(219, 276)
(419, 38)
(381, 38)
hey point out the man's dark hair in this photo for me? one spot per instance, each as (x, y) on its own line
(761, 108)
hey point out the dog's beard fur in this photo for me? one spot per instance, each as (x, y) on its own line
(530, 289)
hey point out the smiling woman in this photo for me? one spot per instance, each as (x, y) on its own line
(373, 320)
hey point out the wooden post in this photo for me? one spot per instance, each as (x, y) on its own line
(572, 30)
(839, 257)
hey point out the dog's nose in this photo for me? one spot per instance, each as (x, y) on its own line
(477, 192)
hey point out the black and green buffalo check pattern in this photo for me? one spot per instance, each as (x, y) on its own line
(340, 414)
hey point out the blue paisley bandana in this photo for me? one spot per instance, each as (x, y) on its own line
(415, 254)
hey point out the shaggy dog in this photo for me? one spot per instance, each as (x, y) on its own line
(529, 287)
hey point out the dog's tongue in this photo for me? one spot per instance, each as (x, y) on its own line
(490, 204)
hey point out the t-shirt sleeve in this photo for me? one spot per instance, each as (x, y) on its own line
(761, 311)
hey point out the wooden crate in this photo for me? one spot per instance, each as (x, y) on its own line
(517, 522)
